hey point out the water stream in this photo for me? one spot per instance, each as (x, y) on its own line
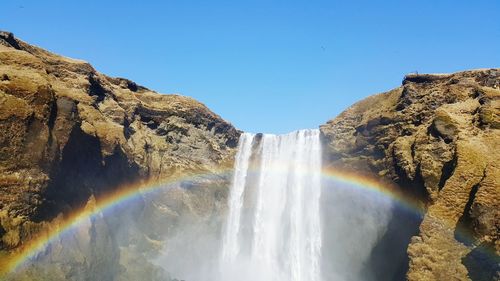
(273, 229)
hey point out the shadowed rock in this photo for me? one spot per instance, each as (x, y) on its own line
(437, 137)
(70, 134)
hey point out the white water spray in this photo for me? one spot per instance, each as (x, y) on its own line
(286, 221)
(231, 248)
(273, 230)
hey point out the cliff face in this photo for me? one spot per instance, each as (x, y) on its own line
(70, 134)
(438, 138)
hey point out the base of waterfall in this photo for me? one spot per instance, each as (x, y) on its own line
(288, 220)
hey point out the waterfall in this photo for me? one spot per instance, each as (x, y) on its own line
(273, 228)
(289, 220)
(231, 245)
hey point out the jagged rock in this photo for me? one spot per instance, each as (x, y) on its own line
(70, 133)
(437, 137)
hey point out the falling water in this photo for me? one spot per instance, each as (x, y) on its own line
(286, 220)
(273, 229)
(231, 244)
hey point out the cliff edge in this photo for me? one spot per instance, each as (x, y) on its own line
(70, 134)
(438, 138)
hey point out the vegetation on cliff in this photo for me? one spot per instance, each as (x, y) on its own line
(438, 138)
(70, 135)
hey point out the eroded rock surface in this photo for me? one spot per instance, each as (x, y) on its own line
(70, 134)
(438, 138)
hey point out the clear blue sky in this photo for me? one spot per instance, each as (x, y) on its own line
(265, 66)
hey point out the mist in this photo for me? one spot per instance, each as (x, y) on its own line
(353, 223)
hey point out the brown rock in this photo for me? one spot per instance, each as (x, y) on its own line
(436, 137)
(70, 133)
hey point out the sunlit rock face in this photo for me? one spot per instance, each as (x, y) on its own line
(438, 138)
(70, 135)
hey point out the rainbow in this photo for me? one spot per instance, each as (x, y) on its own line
(125, 194)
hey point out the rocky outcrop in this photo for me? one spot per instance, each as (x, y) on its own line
(438, 138)
(70, 134)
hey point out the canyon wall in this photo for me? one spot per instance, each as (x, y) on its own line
(438, 138)
(70, 135)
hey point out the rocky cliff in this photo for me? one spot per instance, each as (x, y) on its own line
(438, 138)
(70, 134)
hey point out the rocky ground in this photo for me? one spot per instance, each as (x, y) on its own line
(437, 137)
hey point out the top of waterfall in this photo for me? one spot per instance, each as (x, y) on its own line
(289, 133)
